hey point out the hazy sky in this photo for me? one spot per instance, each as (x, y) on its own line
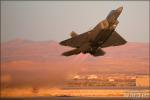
(54, 20)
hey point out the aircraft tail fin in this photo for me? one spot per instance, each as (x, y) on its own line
(71, 52)
(73, 34)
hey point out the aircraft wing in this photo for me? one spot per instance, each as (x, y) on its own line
(114, 40)
(76, 41)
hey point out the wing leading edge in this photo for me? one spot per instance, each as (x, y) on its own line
(114, 40)
(76, 41)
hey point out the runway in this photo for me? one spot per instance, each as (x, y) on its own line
(73, 98)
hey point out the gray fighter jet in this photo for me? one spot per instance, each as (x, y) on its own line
(102, 35)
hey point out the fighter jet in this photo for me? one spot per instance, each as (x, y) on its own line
(101, 36)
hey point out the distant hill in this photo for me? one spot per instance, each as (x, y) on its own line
(26, 61)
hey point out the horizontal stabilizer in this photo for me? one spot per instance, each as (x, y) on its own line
(71, 52)
(98, 52)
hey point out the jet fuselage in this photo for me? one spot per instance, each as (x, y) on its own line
(103, 30)
(102, 35)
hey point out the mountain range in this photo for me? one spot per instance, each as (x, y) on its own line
(32, 62)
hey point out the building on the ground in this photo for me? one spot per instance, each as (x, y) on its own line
(143, 81)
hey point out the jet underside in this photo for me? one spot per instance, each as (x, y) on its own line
(103, 35)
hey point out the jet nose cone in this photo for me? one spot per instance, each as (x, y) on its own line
(120, 9)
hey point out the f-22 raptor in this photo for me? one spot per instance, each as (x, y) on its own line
(102, 35)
